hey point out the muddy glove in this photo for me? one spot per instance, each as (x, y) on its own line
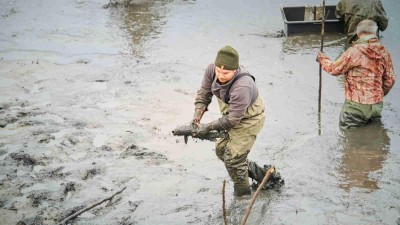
(203, 129)
(198, 114)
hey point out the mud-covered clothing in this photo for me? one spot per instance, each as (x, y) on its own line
(243, 117)
(368, 70)
(234, 149)
(354, 11)
(242, 136)
(243, 93)
(354, 114)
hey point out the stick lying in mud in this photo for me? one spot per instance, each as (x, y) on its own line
(90, 207)
(223, 203)
(253, 199)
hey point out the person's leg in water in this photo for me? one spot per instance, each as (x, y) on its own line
(238, 171)
(356, 115)
(232, 151)
(236, 166)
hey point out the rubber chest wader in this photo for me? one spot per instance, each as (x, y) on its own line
(354, 114)
(234, 149)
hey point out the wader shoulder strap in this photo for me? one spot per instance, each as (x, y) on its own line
(227, 95)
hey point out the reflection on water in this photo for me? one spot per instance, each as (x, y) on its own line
(139, 22)
(364, 151)
(306, 42)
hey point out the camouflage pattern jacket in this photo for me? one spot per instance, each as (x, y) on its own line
(368, 70)
(353, 11)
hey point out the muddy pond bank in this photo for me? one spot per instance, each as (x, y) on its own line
(89, 96)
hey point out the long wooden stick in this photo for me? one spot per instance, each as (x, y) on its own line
(253, 199)
(89, 207)
(223, 203)
(320, 67)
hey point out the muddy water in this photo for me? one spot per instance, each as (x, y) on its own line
(89, 96)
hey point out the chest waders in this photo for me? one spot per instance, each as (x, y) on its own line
(234, 149)
(354, 114)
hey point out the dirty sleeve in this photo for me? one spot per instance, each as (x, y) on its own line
(204, 94)
(352, 12)
(340, 10)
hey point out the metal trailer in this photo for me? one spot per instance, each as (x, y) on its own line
(307, 19)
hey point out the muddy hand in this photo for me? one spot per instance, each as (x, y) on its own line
(201, 130)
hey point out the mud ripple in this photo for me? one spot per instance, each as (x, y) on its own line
(37, 220)
(91, 173)
(69, 141)
(69, 187)
(38, 197)
(53, 173)
(7, 119)
(24, 159)
(144, 154)
(10, 113)
(2, 152)
(126, 221)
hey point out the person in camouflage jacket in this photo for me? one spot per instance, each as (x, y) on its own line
(369, 76)
(353, 11)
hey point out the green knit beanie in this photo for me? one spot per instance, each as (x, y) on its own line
(228, 58)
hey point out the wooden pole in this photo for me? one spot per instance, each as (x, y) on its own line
(223, 203)
(320, 67)
(253, 199)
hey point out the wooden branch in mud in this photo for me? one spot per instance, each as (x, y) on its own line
(223, 203)
(253, 199)
(90, 207)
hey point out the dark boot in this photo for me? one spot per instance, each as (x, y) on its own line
(257, 173)
(275, 180)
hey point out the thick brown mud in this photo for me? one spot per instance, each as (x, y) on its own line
(89, 96)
